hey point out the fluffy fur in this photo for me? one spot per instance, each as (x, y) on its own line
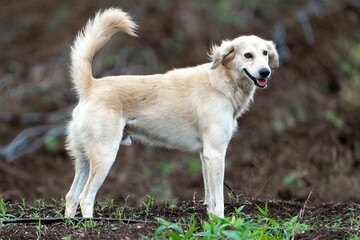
(191, 109)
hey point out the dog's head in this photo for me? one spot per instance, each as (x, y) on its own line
(247, 56)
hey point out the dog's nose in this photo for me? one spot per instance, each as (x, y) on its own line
(264, 72)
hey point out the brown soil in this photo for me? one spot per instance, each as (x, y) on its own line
(322, 217)
(301, 134)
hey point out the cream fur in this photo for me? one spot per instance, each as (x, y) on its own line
(191, 109)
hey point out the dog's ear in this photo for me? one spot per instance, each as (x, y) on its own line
(222, 54)
(273, 55)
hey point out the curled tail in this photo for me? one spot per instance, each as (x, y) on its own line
(93, 37)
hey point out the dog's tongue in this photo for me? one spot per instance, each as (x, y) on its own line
(261, 82)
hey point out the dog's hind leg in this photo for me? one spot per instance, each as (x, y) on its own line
(76, 150)
(81, 176)
(101, 149)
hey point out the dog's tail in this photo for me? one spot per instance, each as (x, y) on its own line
(94, 36)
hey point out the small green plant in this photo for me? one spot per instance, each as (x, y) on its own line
(3, 208)
(39, 203)
(120, 211)
(3, 211)
(264, 211)
(109, 203)
(35, 214)
(62, 201)
(148, 204)
(88, 224)
(23, 202)
(174, 230)
(22, 211)
(233, 196)
(58, 213)
(170, 204)
(38, 230)
(70, 222)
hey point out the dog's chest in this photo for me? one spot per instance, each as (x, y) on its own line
(242, 100)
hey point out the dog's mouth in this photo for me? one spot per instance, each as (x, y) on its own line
(261, 82)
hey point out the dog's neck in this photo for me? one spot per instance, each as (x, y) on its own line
(243, 90)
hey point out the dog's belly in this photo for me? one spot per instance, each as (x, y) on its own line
(170, 134)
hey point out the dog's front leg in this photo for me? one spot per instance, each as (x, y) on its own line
(207, 200)
(214, 161)
(215, 139)
(215, 142)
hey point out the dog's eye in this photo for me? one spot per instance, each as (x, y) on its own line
(265, 53)
(248, 55)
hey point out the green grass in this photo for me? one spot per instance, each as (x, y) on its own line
(237, 226)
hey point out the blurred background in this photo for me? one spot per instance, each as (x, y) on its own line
(302, 133)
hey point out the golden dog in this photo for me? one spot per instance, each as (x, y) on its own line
(191, 109)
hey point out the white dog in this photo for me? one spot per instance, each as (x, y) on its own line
(191, 109)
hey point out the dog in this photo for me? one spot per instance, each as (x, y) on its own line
(192, 109)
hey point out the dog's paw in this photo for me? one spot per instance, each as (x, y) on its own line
(219, 212)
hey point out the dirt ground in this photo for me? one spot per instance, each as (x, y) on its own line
(301, 135)
(329, 221)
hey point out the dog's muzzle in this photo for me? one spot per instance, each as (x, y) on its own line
(259, 82)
